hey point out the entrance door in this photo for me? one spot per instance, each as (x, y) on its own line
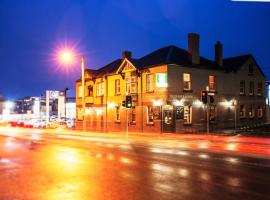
(168, 119)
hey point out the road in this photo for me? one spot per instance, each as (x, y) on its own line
(46, 165)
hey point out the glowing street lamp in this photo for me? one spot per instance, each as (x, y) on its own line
(67, 57)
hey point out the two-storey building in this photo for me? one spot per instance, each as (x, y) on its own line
(166, 86)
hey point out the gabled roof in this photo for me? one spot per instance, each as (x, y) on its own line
(169, 55)
(233, 63)
(173, 55)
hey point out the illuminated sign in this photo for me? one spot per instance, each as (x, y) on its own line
(161, 80)
(54, 94)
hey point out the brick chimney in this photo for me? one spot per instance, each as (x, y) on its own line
(219, 53)
(194, 48)
(126, 54)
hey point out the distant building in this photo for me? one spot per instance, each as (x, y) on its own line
(166, 86)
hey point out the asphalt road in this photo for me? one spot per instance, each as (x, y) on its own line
(37, 166)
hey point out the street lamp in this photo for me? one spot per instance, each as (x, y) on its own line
(67, 57)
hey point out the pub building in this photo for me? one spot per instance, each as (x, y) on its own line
(166, 88)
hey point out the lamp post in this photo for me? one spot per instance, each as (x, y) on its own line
(67, 57)
(235, 114)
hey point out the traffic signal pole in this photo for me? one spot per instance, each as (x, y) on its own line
(207, 117)
(127, 122)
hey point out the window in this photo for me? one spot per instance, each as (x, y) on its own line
(90, 90)
(242, 87)
(186, 81)
(161, 80)
(259, 90)
(117, 113)
(212, 82)
(150, 115)
(80, 114)
(251, 111)
(260, 112)
(149, 82)
(131, 85)
(133, 115)
(100, 88)
(117, 87)
(242, 111)
(179, 112)
(251, 88)
(187, 114)
(250, 69)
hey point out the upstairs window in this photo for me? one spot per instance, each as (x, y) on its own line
(100, 88)
(212, 82)
(186, 81)
(259, 90)
(117, 90)
(161, 80)
(251, 88)
(149, 82)
(242, 87)
(133, 115)
(90, 90)
(131, 85)
(250, 69)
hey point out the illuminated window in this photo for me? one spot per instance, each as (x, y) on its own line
(161, 80)
(251, 88)
(260, 112)
(149, 82)
(187, 114)
(117, 113)
(186, 81)
(259, 90)
(117, 87)
(133, 115)
(212, 82)
(79, 114)
(131, 85)
(242, 87)
(251, 112)
(242, 111)
(150, 115)
(100, 88)
(90, 90)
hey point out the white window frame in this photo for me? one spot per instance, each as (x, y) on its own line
(188, 82)
(251, 111)
(131, 85)
(117, 89)
(251, 88)
(150, 82)
(260, 89)
(242, 87)
(100, 89)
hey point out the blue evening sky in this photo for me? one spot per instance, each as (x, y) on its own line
(32, 30)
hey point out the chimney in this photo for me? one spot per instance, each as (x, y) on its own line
(219, 53)
(194, 48)
(126, 54)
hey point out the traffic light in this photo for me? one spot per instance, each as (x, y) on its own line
(124, 103)
(204, 96)
(128, 101)
(211, 99)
